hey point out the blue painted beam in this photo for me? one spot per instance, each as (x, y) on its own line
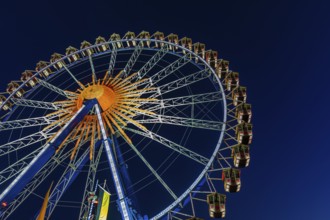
(9, 194)
(123, 168)
(76, 172)
(127, 181)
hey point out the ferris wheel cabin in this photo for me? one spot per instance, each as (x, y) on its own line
(71, 54)
(222, 68)
(243, 113)
(211, 58)
(241, 155)
(231, 180)
(186, 43)
(239, 95)
(145, 35)
(173, 38)
(88, 51)
(12, 86)
(28, 75)
(232, 80)
(8, 104)
(55, 60)
(42, 65)
(217, 205)
(159, 36)
(131, 36)
(103, 47)
(244, 133)
(116, 37)
(199, 49)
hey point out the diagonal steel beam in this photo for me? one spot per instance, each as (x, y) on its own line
(29, 122)
(180, 121)
(173, 146)
(56, 89)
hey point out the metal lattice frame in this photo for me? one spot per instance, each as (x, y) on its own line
(216, 162)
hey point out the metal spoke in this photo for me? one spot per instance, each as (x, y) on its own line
(187, 122)
(133, 58)
(73, 77)
(35, 104)
(47, 85)
(151, 62)
(182, 82)
(187, 100)
(29, 122)
(24, 142)
(154, 172)
(169, 70)
(92, 68)
(112, 60)
(170, 144)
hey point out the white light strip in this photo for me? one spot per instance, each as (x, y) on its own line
(120, 193)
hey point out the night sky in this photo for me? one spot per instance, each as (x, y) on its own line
(280, 48)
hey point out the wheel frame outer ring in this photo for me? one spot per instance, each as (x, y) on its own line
(224, 102)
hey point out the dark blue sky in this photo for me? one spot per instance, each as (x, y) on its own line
(280, 48)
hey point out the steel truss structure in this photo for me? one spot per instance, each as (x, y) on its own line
(122, 98)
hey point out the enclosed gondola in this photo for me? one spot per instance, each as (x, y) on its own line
(243, 113)
(146, 36)
(186, 42)
(222, 68)
(217, 205)
(104, 46)
(7, 105)
(239, 95)
(231, 180)
(159, 36)
(232, 80)
(72, 54)
(12, 87)
(56, 61)
(199, 49)
(46, 71)
(130, 36)
(241, 155)
(27, 75)
(173, 38)
(211, 58)
(86, 48)
(116, 37)
(244, 133)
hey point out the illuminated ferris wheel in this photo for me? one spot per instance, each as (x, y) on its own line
(156, 121)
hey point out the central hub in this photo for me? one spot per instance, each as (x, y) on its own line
(93, 92)
(105, 96)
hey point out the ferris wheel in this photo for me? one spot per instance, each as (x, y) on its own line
(158, 121)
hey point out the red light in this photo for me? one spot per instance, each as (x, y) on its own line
(4, 204)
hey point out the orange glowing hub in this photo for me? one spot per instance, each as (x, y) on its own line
(105, 96)
(120, 100)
